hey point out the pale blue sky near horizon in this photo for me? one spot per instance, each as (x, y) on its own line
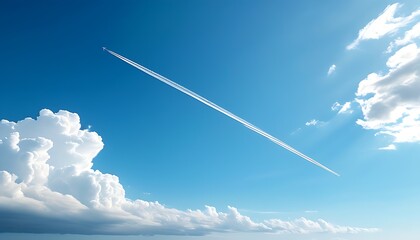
(266, 61)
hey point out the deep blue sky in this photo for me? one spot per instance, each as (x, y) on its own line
(266, 61)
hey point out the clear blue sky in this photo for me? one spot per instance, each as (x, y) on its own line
(266, 61)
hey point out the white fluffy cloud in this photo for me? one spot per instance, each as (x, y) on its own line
(391, 102)
(386, 23)
(331, 70)
(47, 185)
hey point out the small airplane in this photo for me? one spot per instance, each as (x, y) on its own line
(104, 48)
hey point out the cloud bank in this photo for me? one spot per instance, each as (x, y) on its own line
(48, 185)
(385, 24)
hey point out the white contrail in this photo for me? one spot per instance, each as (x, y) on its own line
(218, 108)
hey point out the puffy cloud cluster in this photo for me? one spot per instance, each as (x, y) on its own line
(391, 102)
(386, 23)
(47, 185)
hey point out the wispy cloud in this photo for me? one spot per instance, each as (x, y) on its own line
(312, 122)
(346, 108)
(342, 108)
(386, 23)
(389, 147)
(48, 185)
(409, 37)
(331, 70)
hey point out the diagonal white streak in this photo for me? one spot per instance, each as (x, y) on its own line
(218, 108)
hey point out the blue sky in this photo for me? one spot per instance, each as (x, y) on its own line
(297, 70)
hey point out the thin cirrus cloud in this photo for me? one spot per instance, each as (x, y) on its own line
(48, 185)
(386, 23)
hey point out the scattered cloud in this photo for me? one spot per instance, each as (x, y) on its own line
(312, 122)
(409, 37)
(342, 108)
(331, 70)
(48, 185)
(346, 108)
(389, 147)
(336, 106)
(391, 103)
(386, 23)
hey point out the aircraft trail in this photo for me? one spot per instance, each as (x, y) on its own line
(218, 108)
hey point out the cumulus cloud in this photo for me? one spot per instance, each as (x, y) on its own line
(342, 108)
(331, 70)
(48, 185)
(391, 102)
(386, 23)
